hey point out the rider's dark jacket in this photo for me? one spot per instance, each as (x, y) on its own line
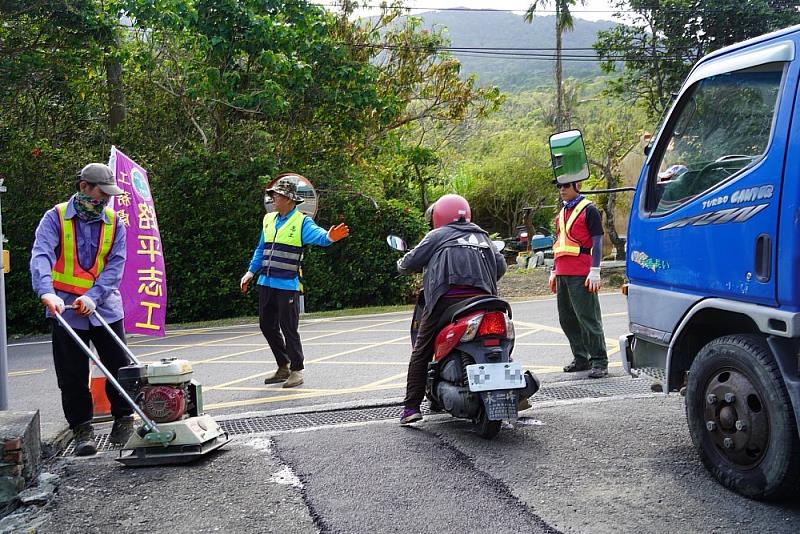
(457, 254)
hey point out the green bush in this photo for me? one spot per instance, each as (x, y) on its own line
(360, 270)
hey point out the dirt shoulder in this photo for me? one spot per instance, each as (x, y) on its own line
(522, 283)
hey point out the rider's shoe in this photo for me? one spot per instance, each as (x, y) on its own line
(410, 415)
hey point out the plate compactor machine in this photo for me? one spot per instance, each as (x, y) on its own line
(168, 401)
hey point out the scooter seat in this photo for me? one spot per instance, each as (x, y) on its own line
(481, 302)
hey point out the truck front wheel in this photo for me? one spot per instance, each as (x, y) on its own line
(741, 419)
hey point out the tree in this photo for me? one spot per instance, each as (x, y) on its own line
(564, 21)
(612, 132)
(657, 44)
(514, 173)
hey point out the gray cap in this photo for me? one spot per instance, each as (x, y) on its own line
(97, 173)
(288, 188)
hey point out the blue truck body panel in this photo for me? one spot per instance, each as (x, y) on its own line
(707, 246)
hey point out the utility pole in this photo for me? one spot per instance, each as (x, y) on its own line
(3, 337)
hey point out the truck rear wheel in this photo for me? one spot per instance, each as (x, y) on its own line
(741, 419)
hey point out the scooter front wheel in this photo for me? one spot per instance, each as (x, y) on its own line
(485, 427)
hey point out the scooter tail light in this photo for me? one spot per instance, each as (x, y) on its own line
(510, 333)
(493, 324)
(473, 325)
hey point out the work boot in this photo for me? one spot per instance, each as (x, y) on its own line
(576, 366)
(278, 376)
(598, 372)
(295, 379)
(84, 440)
(122, 430)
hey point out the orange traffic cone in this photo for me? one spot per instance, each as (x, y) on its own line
(97, 385)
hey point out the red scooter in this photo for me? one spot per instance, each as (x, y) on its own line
(472, 375)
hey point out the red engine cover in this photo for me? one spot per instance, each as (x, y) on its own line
(163, 404)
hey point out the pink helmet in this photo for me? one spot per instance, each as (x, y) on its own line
(450, 208)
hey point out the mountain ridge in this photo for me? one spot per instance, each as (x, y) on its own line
(503, 29)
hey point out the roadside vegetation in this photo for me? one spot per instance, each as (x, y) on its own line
(215, 97)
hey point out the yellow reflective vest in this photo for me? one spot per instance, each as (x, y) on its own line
(284, 246)
(565, 245)
(68, 274)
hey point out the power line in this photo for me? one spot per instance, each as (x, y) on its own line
(512, 53)
(667, 9)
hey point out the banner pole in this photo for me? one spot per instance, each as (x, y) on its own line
(3, 336)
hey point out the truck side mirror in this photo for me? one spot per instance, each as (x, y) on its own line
(568, 157)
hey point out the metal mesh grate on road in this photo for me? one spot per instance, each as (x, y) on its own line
(102, 445)
(656, 373)
(279, 423)
(284, 422)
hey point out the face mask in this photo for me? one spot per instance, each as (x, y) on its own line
(88, 207)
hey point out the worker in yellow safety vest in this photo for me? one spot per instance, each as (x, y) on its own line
(78, 257)
(278, 257)
(575, 279)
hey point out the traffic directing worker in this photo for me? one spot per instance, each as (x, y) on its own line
(278, 257)
(575, 279)
(78, 257)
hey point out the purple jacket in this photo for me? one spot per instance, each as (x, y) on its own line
(105, 291)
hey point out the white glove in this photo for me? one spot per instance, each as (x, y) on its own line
(53, 302)
(84, 305)
(593, 282)
(245, 281)
(552, 281)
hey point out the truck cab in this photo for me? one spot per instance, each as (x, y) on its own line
(712, 262)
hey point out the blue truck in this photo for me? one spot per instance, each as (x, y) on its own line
(713, 262)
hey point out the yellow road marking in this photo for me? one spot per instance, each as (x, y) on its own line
(384, 380)
(265, 400)
(225, 356)
(616, 314)
(262, 362)
(203, 344)
(358, 349)
(317, 360)
(27, 372)
(368, 327)
(553, 329)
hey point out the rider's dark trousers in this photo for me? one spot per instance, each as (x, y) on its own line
(423, 351)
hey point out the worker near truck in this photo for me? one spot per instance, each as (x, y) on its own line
(78, 258)
(575, 278)
(277, 257)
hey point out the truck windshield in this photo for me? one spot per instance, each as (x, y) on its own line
(723, 125)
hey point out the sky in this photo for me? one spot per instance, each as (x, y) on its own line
(593, 10)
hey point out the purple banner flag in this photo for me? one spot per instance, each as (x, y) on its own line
(144, 284)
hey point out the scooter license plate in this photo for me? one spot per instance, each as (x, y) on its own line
(493, 376)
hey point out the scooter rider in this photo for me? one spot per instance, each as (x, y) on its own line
(459, 262)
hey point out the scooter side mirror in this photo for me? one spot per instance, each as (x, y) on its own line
(397, 243)
(499, 245)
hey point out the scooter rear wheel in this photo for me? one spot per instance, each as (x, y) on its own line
(485, 427)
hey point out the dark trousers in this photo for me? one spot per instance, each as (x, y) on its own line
(72, 370)
(579, 315)
(279, 311)
(422, 353)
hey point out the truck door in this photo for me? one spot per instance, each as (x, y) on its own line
(705, 215)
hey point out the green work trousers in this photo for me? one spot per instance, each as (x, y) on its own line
(579, 315)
